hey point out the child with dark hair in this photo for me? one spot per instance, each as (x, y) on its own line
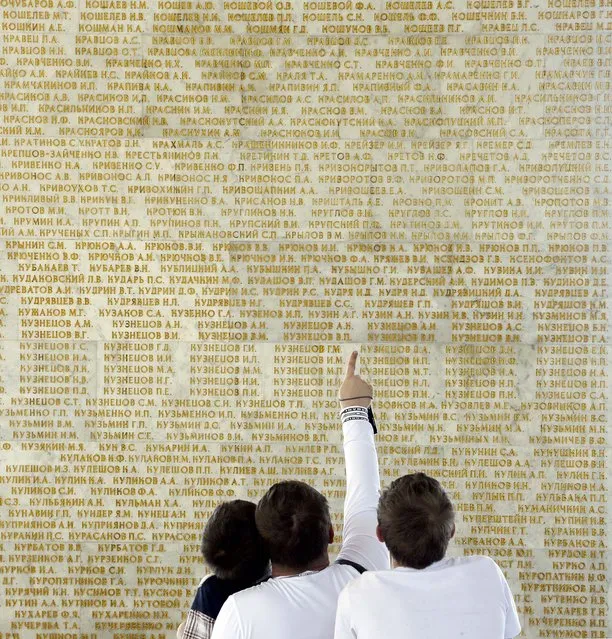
(236, 554)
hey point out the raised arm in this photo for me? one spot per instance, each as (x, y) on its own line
(359, 542)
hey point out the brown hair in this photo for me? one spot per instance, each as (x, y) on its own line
(293, 519)
(416, 519)
(231, 544)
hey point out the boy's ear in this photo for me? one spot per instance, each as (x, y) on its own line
(453, 532)
(379, 534)
(331, 534)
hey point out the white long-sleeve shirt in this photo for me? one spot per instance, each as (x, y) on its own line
(304, 606)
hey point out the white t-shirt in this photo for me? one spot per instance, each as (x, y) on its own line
(455, 598)
(304, 606)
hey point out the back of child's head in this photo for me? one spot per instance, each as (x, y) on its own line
(231, 545)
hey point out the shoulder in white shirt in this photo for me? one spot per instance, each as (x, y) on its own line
(453, 598)
(298, 607)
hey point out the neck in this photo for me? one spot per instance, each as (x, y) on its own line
(396, 564)
(281, 570)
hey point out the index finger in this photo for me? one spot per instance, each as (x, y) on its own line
(350, 368)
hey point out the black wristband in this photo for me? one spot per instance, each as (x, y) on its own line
(371, 418)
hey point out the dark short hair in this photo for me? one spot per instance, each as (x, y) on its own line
(416, 519)
(293, 519)
(231, 545)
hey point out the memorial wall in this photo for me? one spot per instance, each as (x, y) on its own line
(206, 205)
